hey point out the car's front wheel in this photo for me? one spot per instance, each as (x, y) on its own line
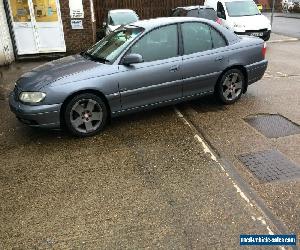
(85, 115)
(230, 87)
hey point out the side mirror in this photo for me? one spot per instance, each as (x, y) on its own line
(132, 59)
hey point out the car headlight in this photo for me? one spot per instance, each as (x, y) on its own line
(32, 97)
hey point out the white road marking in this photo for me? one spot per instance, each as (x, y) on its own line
(279, 75)
(267, 75)
(282, 74)
(283, 40)
(207, 150)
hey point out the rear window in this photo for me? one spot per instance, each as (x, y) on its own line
(179, 12)
(203, 13)
(208, 14)
(193, 13)
(123, 18)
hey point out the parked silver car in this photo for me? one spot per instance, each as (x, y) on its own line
(144, 65)
(116, 18)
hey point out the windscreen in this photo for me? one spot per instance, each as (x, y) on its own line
(242, 8)
(123, 18)
(111, 46)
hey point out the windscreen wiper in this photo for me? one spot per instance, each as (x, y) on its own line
(95, 58)
(102, 59)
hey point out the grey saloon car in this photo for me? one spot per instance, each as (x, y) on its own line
(143, 65)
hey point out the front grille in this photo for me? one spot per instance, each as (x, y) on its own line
(27, 122)
(256, 31)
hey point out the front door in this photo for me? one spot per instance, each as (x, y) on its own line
(158, 79)
(37, 26)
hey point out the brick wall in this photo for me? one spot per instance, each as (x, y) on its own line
(77, 40)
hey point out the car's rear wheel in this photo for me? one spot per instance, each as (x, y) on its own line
(230, 87)
(85, 115)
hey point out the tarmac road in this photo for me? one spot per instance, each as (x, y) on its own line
(149, 180)
(285, 25)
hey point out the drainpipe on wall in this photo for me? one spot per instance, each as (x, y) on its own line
(93, 20)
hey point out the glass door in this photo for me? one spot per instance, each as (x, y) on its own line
(48, 26)
(37, 26)
(23, 27)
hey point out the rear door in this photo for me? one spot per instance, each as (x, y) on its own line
(205, 57)
(158, 79)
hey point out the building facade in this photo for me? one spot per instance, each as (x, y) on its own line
(36, 27)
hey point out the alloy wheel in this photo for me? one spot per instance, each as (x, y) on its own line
(86, 116)
(232, 86)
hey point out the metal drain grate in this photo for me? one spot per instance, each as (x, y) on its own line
(270, 165)
(273, 126)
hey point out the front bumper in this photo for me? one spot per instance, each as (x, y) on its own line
(256, 71)
(44, 116)
(263, 34)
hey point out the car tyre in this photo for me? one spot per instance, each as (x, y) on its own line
(267, 37)
(85, 115)
(230, 87)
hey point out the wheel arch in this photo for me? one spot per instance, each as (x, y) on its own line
(241, 68)
(85, 91)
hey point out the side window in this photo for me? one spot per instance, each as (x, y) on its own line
(196, 37)
(221, 10)
(159, 44)
(182, 12)
(218, 40)
(110, 21)
(176, 12)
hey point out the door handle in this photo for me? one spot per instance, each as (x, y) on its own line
(174, 68)
(219, 58)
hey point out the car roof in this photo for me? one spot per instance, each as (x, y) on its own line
(161, 21)
(226, 1)
(194, 7)
(121, 10)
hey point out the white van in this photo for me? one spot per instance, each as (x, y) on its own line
(242, 17)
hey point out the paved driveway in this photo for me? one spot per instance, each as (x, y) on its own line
(151, 180)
